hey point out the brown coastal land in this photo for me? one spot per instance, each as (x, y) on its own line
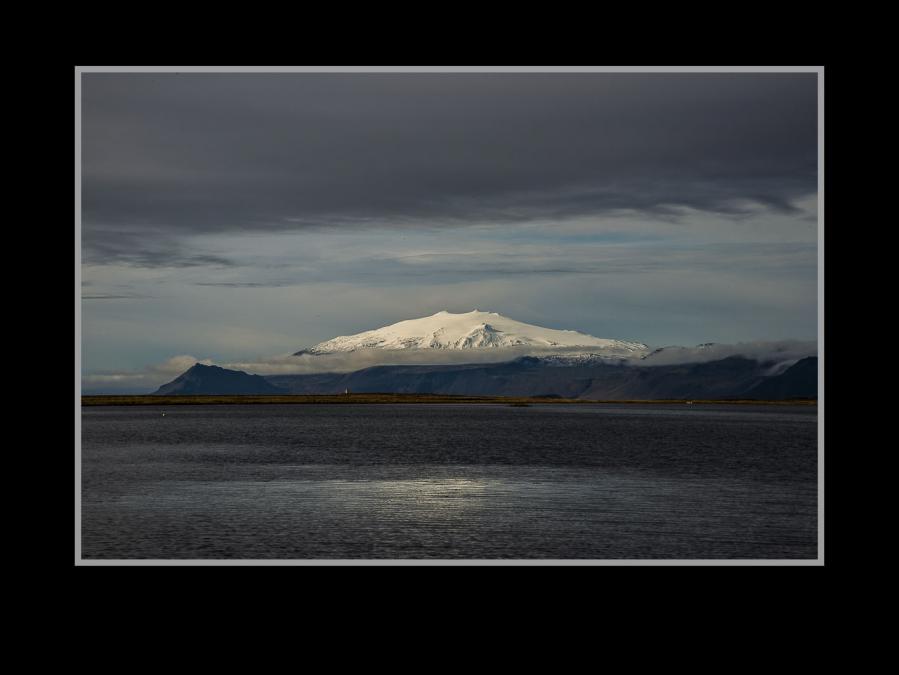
(396, 398)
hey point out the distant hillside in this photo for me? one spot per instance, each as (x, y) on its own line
(733, 377)
(200, 379)
(798, 381)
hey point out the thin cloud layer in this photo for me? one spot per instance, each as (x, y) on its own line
(139, 381)
(776, 352)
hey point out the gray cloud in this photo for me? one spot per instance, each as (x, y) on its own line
(140, 381)
(366, 358)
(140, 246)
(166, 155)
(599, 260)
(777, 352)
(242, 284)
(264, 213)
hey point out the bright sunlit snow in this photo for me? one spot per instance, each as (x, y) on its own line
(471, 330)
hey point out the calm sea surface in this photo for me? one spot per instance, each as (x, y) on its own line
(449, 481)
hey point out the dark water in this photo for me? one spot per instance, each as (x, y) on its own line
(453, 481)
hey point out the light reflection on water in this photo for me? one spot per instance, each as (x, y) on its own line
(578, 517)
(557, 486)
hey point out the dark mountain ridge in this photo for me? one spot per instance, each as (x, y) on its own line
(732, 377)
(201, 379)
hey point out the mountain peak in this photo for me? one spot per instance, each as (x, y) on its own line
(202, 366)
(470, 330)
(203, 379)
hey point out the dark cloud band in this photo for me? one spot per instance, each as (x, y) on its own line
(167, 155)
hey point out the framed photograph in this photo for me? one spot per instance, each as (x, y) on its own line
(409, 315)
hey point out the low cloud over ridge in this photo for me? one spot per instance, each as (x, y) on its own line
(774, 352)
(779, 353)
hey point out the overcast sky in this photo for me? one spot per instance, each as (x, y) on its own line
(232, 217)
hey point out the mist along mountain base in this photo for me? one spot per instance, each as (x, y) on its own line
(729, 378)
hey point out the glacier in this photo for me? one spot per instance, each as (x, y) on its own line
(473, 330)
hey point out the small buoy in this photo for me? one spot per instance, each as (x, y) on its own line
(163, 414)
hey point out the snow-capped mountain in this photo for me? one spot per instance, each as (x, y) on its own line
(473, 330)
